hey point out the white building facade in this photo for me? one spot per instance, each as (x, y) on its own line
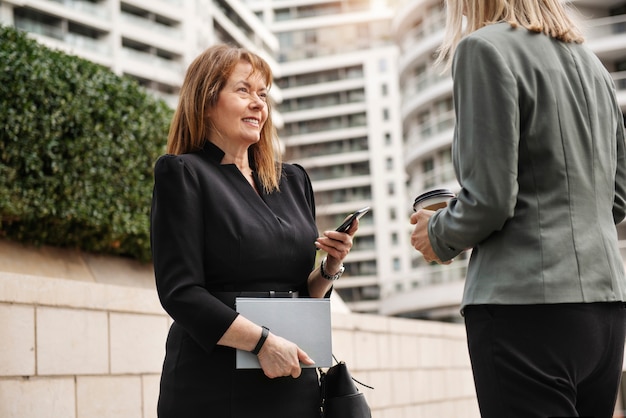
(434, 292)
(341, 122)
(152, 41)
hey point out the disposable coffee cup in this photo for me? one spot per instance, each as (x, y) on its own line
(433, 200)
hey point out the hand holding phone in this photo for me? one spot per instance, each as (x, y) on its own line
(345, 226)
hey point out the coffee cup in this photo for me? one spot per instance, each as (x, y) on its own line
(433, 200)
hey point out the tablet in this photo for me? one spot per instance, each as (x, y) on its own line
(304, 321)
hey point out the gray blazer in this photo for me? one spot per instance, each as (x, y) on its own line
(539, 154)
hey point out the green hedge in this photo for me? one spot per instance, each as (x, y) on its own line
(77, 148)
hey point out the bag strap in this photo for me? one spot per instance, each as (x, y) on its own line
(322, 373)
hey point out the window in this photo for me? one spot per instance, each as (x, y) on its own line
(310, 37)
(428, 172)
(428, 166)
(282, 14)
(382, 65)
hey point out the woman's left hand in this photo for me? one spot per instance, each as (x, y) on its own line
(419, 237)
(337, 245)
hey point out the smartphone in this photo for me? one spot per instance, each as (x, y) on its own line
(348, 222)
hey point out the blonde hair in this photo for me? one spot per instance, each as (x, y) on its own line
(191, 127)
(550, 17)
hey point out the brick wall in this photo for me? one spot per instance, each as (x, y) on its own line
(79, 349)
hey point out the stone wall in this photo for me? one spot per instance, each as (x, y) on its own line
(82, 336)
(78, 349)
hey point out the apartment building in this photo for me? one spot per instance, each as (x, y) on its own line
(434, 292)
(152, 41)
(341, 122)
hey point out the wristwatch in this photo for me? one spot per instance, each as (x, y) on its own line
(328, 276)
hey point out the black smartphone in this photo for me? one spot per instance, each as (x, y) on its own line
(348, 222)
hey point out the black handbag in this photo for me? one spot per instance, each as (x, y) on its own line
(340, 398)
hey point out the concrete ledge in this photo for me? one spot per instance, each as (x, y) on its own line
(73, 264)
(37, 290)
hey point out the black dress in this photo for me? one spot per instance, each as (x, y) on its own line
(212, 232)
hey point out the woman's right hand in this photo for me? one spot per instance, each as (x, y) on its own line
(279, 357)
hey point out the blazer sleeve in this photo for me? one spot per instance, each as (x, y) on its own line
(619, 206)
(485, 149)
(177, 240)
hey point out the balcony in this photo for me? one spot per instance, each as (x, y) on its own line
(420, 43)
(620, 83)
(85, 43)
(151, 67)
(327, 149)
(431, 287)
(607, 36)
(172, 9)
(39, 28)
(152, 27)
(424, 90)
(428, 136)
(98, 10)
(65, 40)
(442, 175)
(606, 27)
(430, 128)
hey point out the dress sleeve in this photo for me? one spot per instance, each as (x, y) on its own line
(485, 148)
(177, 240)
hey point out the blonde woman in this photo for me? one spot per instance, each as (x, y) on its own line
(539, 154)
(228, 219)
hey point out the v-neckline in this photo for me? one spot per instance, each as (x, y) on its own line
(255, 181)
(217, 154)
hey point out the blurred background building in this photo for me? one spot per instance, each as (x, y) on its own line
(359, 105)
(342, 123)
(152, 41)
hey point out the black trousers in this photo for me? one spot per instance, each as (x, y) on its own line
(541, 361)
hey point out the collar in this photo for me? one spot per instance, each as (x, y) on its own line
(216, 154)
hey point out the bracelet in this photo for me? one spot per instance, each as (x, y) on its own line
(328, 276)
(264, 333)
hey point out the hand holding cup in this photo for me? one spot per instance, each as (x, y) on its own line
(430, 202)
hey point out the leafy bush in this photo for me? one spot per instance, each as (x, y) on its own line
(77, 148)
